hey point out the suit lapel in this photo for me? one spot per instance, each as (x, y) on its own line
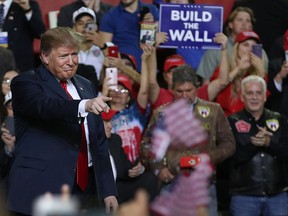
(81, 89)
(51, 82)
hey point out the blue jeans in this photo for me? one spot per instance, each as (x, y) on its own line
(276, 205)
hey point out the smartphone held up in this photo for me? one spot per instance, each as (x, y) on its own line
(113, 51)
(257, 50)
(111, 76)
(90, 27)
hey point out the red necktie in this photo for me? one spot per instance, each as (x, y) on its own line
(82, 162)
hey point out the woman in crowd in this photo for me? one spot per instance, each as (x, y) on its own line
(243, 63)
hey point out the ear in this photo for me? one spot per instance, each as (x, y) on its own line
(230, 25)
(45, 58)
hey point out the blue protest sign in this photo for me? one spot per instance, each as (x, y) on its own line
(190, 26)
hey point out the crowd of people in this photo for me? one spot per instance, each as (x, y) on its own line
(64, 123)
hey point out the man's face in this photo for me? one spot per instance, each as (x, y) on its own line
(108, 128)
(185, 90)
(127, 3)
(80, 24)
(254, 97)
(242, 22)
(62, 62)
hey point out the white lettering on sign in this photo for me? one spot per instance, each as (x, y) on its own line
(189, 35)
(193, 16)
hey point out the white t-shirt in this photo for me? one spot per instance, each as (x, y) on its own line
(94, 56)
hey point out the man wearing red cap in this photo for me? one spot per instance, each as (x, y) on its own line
(220, 144)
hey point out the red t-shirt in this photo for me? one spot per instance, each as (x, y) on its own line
(166, 96)
(229, 103)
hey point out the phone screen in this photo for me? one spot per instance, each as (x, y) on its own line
(91, 27)
(112, 77)
(113, 51)
(257, 50)
(9, 124)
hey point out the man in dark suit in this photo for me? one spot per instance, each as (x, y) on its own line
(56, 112)
(23, 22)
(146, 37)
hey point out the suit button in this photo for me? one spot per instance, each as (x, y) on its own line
(76, 146)
(74, 169)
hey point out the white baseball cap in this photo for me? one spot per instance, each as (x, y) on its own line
(83, 10)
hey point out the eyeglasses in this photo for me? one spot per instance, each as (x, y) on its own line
(121, 91)
(6, 81)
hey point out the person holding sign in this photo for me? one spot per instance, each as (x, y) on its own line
(121, 26)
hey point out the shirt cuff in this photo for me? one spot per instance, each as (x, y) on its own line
(278, 86)
(81, 108)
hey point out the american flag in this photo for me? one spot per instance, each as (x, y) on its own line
(190, 194)
(177, 126)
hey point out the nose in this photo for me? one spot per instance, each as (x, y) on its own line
(185, 95)
(70, 60)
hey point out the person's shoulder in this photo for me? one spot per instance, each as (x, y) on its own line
(211, 104)
(240, 115)
(72, 6)
(273, 114)
(115, 138)
(151, 6)
(25, 76)
(82, 79)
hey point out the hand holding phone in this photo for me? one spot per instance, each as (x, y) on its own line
(112, 75)
(91, 27)
(257, 50)
(9, 124)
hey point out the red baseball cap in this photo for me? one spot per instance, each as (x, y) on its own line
(130, 58)
(245, 35)
(124, 80)
(108, 116)
(173, 61)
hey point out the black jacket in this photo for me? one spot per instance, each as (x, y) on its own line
(21, 33)
(256, 170)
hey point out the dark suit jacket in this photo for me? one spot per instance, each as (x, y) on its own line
(278, 101)
(121, 161)
(48, 134)
(22, 32)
